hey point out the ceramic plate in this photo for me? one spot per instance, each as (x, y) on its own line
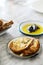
(25, 25)
(38, 6)
(9, 51)
(3, 32)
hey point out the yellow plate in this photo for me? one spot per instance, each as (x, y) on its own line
(25, 25)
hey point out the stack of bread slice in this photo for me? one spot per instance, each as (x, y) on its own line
(4, 25)
(24, 46)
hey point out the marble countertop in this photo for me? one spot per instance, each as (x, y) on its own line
(18, 14)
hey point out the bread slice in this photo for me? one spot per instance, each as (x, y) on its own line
(32, 49)
(1, 22)
(5, 25)
(20, 44)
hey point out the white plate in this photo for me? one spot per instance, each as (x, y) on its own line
(11, 52)
(30, 22)
(38, 6)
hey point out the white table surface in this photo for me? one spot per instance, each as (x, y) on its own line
(18, 13)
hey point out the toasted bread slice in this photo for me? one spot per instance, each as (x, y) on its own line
(24, 46)
(1, 22)
(32, 49)
(20, 44)
(5, 25)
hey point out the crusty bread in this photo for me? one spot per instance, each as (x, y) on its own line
(24, 46)
(33, 48)
(7, 24)
(1, 22)
(20, 44)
